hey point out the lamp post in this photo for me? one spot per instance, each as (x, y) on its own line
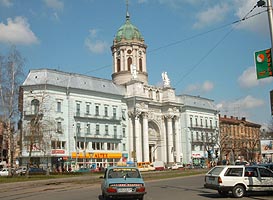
(261, 3)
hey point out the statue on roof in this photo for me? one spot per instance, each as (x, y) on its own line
(166, 80)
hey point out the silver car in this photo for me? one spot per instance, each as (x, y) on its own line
(122, 182)
(239, 179)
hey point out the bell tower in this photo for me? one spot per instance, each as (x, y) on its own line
(129, 54)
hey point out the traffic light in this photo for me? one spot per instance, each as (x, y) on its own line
(216, 153)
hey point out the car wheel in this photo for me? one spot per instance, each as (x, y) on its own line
(223, 193)
(238, 191)
(141, 198)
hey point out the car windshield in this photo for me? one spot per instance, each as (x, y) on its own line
(123, 173)
(216, 170)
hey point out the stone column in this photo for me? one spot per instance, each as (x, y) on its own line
(170, 138)
(177, 139)
(131, 137)
(138, 138)
(163, 142)
(145, 138)
(122, 61)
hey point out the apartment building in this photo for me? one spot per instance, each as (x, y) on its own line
(239, 138)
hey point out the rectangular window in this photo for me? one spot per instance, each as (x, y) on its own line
(97, 129)
(123, 132)
(123, 115)
(87, 109)
(59, 106)
(78, 128)
(97, 111)
(196, 122)
(190, 122)
(197, 136)
(106, 129)
(115, 132)
(88, 128)
(124, 147)
(58, 144)
(78, 109)
(106, 111)
(59, 127)
(114, 113)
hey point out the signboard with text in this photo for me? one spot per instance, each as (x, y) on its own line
(263, 63)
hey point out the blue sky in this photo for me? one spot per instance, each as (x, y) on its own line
(202, 45)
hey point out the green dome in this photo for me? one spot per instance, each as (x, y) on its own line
(128, 31)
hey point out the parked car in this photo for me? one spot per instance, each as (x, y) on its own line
(36, 171)
(177, 166)
(83, 170)
(21, 170)
(239, 179)
(4, 172)
(123, 182)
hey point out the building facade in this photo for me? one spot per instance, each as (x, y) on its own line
(240, 139)
(200, 128)
(74, 120)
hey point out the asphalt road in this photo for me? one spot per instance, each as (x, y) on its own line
(190, 188)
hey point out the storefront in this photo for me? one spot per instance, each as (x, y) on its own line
(267, 150)
(95, 160)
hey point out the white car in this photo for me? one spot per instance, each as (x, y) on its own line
(21, 170)
(4, 171)
(177, 166)
(239, 179)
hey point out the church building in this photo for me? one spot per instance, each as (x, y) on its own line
(75, 120)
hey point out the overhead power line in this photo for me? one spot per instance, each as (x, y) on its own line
(191, 38)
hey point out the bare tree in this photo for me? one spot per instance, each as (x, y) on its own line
(38, 131)
(11, 75)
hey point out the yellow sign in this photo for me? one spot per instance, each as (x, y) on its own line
(95, 155)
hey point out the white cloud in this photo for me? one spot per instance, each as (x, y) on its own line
(212, 15)
(54, 4)
(94, 45)
(201, 88)
(240, 107)
(259, 23)
(17, 31)
(249, 79)
(6, 3)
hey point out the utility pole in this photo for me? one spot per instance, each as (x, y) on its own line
(261, 3)
(269, 11)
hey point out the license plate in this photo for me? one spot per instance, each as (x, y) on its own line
(211, 178)
(125, 189)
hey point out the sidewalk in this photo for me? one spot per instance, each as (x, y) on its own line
(46, 182)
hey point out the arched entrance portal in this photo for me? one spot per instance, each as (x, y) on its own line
(154, 142)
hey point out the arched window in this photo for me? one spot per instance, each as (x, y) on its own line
(129, 62)
(118, 65)
(140, 65)
(35, 106)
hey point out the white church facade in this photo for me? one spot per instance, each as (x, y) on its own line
(72, 119)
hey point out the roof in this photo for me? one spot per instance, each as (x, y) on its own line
(197, 101)
(72, 80)
(236, 121)
(128, 31)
